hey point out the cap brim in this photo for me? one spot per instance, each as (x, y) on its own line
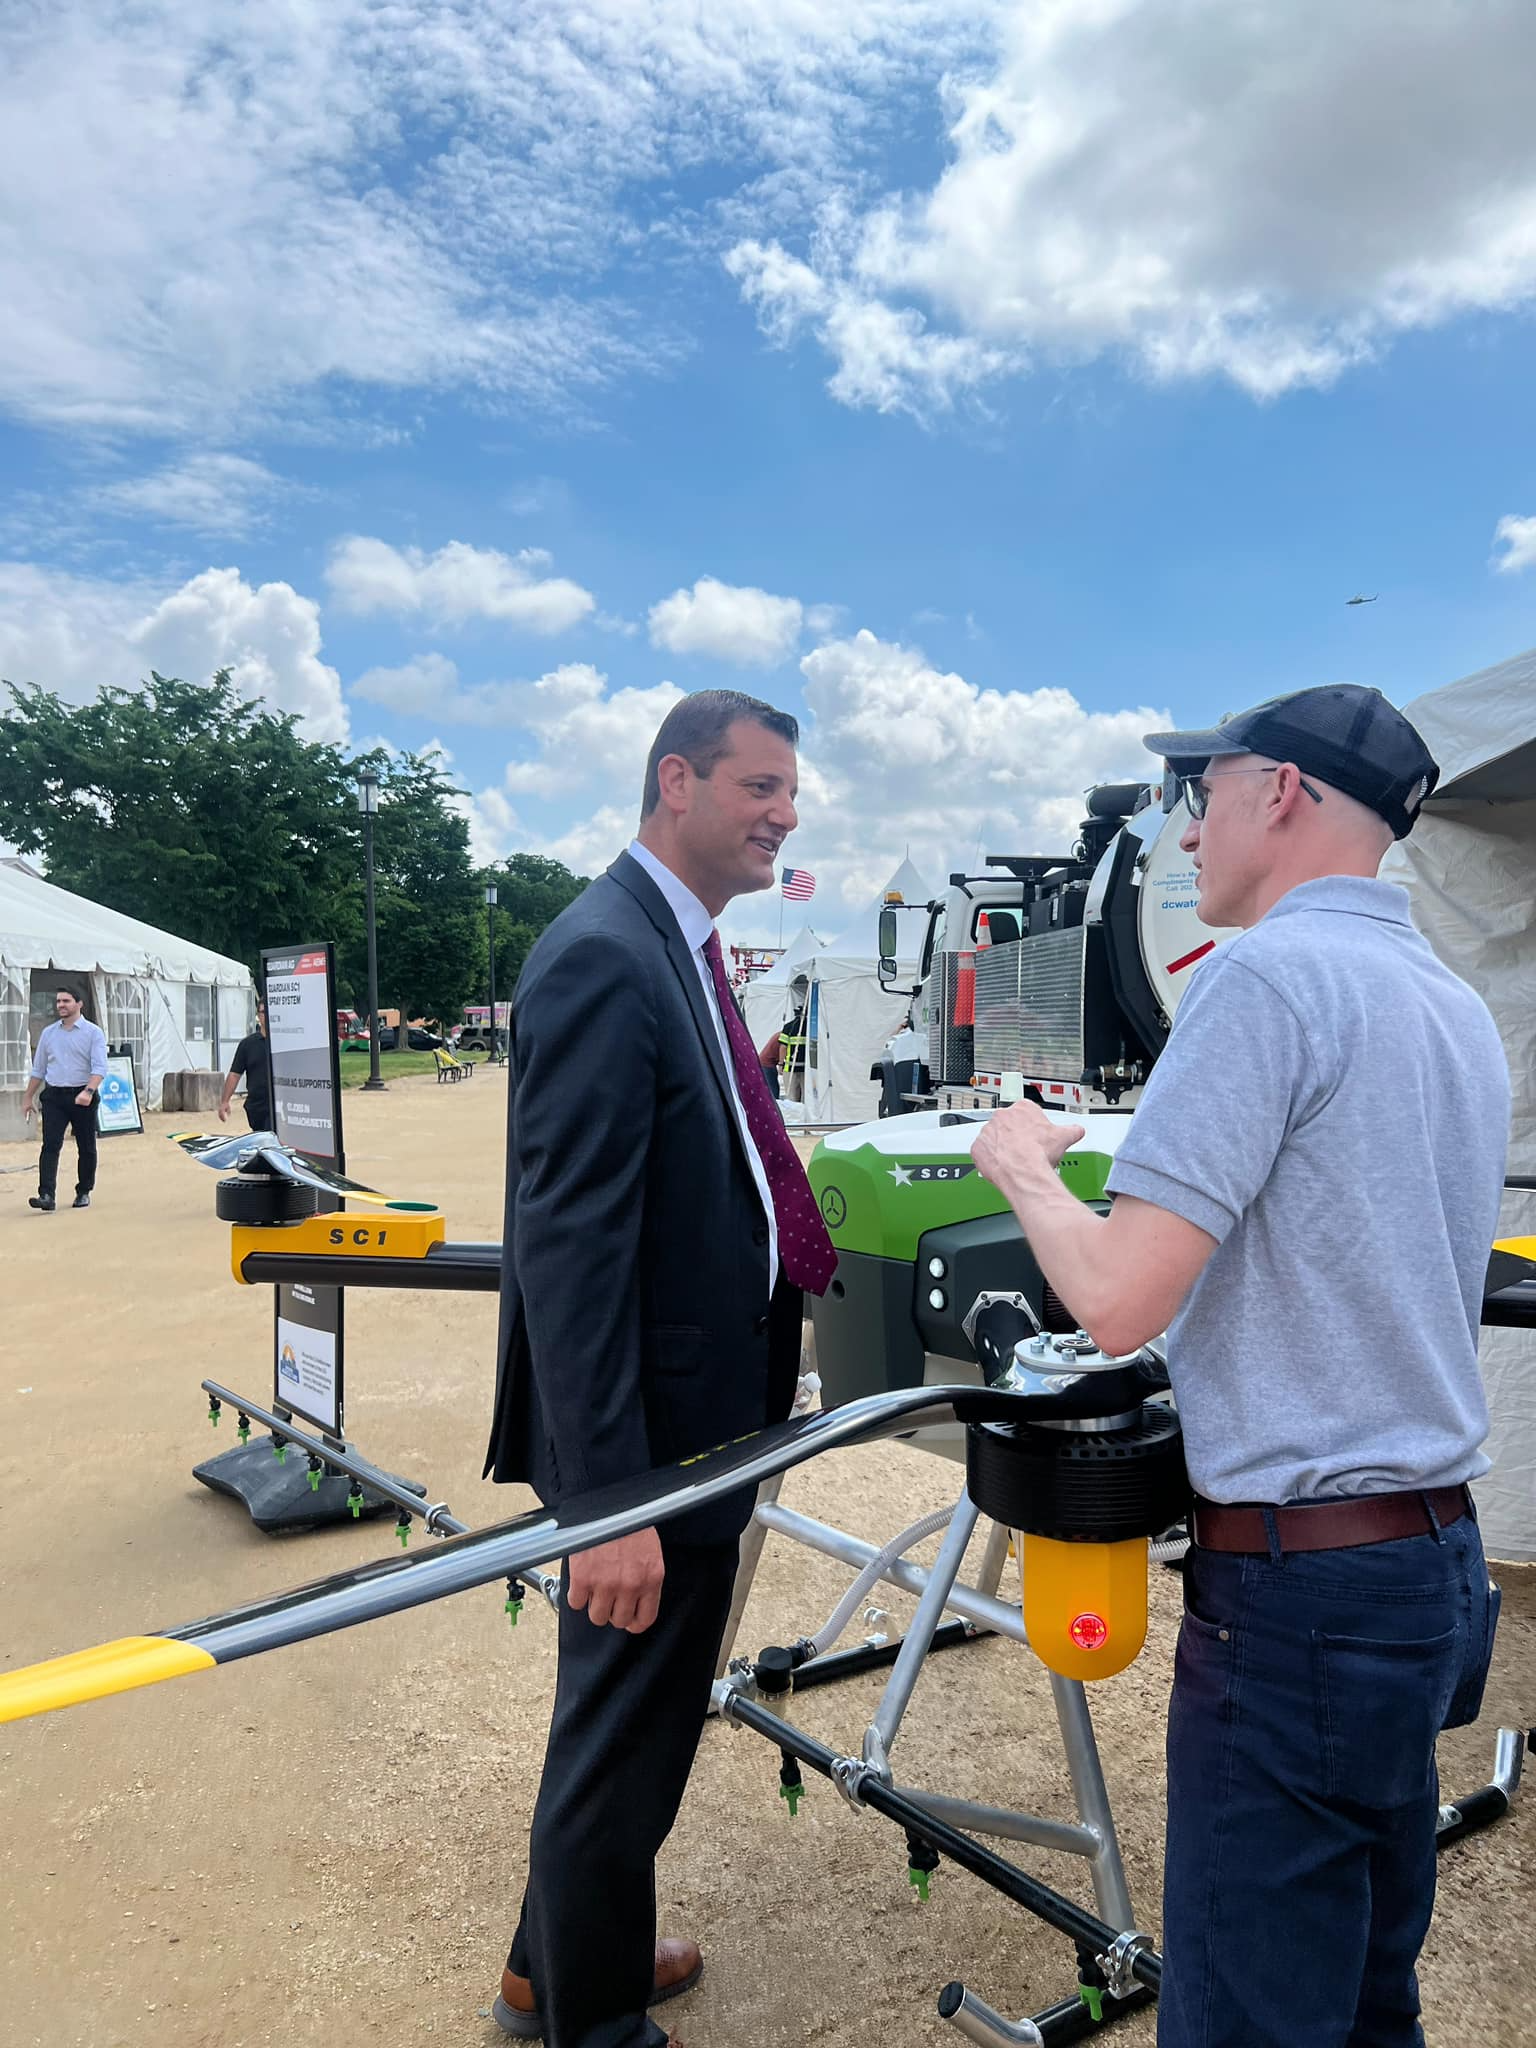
(1191, 750)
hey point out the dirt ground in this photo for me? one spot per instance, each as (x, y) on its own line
(331, 1838)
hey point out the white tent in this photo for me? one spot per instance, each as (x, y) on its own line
(1470, 868)
(851, 1013)
(175, 1005)
(769, 1000)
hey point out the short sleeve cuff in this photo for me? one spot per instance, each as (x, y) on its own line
(1147, 1184)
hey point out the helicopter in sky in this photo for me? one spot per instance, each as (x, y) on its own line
(1363, 600)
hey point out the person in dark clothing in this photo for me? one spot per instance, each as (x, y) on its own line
(659, 1233)
(253, 1058)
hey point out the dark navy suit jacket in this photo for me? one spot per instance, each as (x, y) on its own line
(636, 1325)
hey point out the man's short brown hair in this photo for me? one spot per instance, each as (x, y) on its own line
(699, 728)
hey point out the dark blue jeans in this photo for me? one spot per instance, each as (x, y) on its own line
(1302, 1794)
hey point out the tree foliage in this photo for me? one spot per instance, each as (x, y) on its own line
(185, 805)
(194, 809)
(427, 901)
(531, 891)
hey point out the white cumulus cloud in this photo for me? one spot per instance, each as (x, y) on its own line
(1517, 537)
(75, 634)
(576, 732)
(732, 622)
(587, 735)
(268, 637)
(209, 493)
(898, 754)
(1267, 192)
(456, 583)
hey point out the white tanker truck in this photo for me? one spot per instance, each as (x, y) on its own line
(1052, 976)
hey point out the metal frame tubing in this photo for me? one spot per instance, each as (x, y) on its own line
(880, 1736)
(1479, 1809)
(1083, 1929)
(1093, 1835)
(861, 1657)
(986, 1611)
(435, 1516)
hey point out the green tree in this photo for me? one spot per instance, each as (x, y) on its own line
(428, 901)
(188, 806)
(531, 892)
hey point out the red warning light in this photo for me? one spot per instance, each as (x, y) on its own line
(1089, 1631)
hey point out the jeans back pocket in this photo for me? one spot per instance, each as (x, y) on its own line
(1381, 1703)
(1467, 1699)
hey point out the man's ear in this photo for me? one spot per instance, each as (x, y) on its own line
(673, 776)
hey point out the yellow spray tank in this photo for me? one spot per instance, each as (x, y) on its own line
(1094, 1470)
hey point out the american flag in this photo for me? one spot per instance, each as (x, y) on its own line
(799, 885)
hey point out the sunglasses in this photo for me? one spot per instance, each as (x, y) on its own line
(1196, 789)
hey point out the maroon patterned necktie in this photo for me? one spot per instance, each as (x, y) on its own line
(806, 1253)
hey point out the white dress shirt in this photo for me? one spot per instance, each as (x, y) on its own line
(696, 924)
(69, 1054)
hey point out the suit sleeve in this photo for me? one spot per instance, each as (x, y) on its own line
(586, 1035)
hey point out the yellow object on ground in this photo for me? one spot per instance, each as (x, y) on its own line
(122, 1666)
(1085, 1604)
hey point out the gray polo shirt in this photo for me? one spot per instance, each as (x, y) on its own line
(1333, 1107)
(67, 1056)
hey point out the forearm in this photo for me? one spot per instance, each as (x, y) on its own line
(93, 1084)
(29, 1095)
(1067, 1238)
(231, 1083)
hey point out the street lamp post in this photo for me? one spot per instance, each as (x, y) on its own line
(490, 933)
(368, 804)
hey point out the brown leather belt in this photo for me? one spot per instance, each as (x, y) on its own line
(1330, 1524)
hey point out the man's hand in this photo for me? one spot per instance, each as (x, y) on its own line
(83, 1099)
(619, 1583)
(223, 1112)
(1018, 1141)
(28, 1111)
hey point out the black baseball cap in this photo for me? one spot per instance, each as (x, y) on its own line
(1343, 733)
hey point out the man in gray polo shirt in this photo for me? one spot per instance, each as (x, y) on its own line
(69, 1066)
(1306, 1200)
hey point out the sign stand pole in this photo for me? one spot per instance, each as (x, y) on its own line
(283, 1491)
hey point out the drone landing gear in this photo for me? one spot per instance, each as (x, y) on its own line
(1117, 1969)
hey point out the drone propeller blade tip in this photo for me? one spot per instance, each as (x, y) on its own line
(122, 1666)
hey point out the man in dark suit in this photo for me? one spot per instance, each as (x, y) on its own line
(659, 1232)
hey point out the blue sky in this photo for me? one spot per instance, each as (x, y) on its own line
(978, 389)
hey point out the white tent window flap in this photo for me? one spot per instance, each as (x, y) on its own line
(15, 1044)
(199, 1014)
(125, 1019)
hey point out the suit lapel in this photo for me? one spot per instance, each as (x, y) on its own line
(629, 874)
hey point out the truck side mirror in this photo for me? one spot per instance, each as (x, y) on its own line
(886, 968)
(887, 942)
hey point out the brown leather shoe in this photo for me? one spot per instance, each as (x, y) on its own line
(679, 1966)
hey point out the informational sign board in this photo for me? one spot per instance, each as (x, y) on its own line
(301, 1031)
(299, 983)
(308, 1378)
(117, 1105)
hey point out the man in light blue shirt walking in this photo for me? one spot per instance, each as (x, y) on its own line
(69, 1066)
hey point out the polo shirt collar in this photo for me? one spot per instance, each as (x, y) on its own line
(1359, 895)
(693, 920)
